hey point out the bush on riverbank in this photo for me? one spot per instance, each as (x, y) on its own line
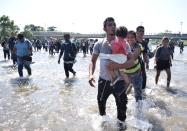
(185, 42)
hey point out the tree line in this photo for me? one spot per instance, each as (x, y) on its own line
(8, 27)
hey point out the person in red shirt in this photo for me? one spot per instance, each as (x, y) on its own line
(120, 47)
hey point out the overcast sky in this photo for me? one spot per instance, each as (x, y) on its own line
(87, 16)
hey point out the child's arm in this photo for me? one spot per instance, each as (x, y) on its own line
(136, 53)
(129, 53)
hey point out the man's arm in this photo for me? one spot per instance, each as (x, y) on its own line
(60, 55)
(115, 66)
(136, 53)
(92, 69)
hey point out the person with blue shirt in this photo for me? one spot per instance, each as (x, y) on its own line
(23, 50)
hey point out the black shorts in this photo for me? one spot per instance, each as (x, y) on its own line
(162, 64)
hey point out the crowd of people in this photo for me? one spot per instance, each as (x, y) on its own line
(124, 57)
(20, 49)
(116, 58)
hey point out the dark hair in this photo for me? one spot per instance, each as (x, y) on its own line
(165, 38)
(131, 32)
(146, 39)
(96, 40)
(106, 20)
(20, 36)
(66, 36)
(139, 27)
(121, 31)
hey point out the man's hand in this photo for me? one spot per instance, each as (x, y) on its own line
(91, 81)
(59, 61)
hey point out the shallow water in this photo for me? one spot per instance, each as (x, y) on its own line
(48, 102)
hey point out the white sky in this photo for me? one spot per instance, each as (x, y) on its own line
(87, 16)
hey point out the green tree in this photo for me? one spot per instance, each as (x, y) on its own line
(7, 27)
(51, 28)
(28, 29)
(28, 34)
(32, 27)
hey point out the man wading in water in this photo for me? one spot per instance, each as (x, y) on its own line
(104, 86)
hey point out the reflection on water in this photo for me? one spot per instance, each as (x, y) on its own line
(48, 101)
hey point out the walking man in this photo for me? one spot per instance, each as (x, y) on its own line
(23, 50)
(144, 63)
(104, 84)
(69, 51)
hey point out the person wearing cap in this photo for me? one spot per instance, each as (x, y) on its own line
(163, 60)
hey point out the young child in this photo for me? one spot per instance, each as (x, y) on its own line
(120, 47)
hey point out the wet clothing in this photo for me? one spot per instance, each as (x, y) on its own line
(104, 87)
(145, 48)
(23, 63)
(103, 47)
(84, 48)
(163, 53)
(5, 45)
(6, 49)
(144, 76)
(181, 45)
(162, 64)
(51, 47)
(12, 42)
(136, 80)
(137, 66)
(135, 76)
(6, 54)
(91, 45)
(118, 91)
(163, 60)
(68, 67)
(23, 50)
(144, 44)
(69, 51)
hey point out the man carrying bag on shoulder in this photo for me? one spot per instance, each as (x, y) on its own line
(23, 50)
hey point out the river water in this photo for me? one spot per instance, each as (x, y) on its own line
(48, 102)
